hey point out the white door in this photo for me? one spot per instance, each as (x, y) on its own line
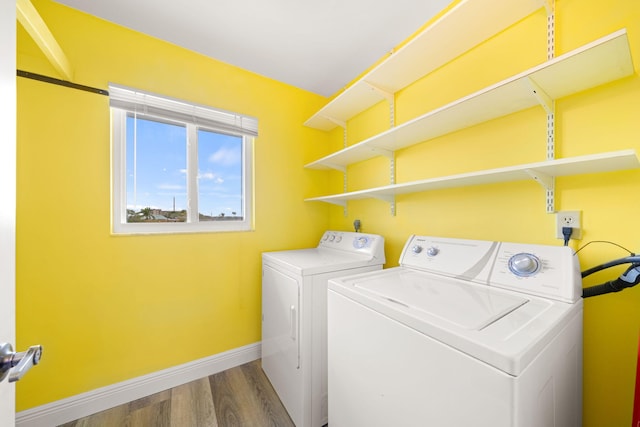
(7, 195)
(280, 319)
(281, 338)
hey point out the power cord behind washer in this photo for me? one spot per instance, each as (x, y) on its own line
(567, 232)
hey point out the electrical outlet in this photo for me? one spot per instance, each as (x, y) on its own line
(568, 219)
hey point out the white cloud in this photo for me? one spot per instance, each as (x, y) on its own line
(170, 187)
(225, 156)
(210, 176)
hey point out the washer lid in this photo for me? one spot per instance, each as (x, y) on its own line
(468, 307)
(502, 328)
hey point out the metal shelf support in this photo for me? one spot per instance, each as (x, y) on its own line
(550, 200)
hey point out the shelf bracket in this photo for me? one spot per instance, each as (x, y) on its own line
(548, 4)
(382, 152)
(342, 203)
(541, 178)
(385, 94)
(391, 99)
(389, 199)
(392, 161)
(543, 98)
(337, 122)
(336, 167)
(547, 182)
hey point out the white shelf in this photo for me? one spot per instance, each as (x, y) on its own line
(602, 61)
(466, 25)
(541, 172)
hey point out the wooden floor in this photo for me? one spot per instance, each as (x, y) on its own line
(241, 396)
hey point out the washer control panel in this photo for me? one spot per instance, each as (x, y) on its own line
(543, 270)
(371, 244)
(449, 257)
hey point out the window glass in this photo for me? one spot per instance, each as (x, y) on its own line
(179, 167)
(220, 177)
(156, 179)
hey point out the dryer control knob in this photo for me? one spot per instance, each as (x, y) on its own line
(524, 264)
(360, 242)
(416, 249)
(433, 251)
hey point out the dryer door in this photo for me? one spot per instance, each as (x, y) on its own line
(281, 337)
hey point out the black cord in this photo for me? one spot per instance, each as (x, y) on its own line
(604, 241)
(566, 232)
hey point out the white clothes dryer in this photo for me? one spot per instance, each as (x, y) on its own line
(462, 333)
(294, 316)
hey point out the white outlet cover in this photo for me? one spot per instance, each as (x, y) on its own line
(569, 219)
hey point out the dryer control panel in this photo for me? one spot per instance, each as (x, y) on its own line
(369, 244)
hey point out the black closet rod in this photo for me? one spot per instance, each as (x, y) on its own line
(59, 82)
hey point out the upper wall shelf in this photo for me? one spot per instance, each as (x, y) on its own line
(541, 172)
(591, 65)
(480, 19)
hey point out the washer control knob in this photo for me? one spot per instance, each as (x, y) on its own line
(524, 264)
(416, 249)
(338, 239)
(433, 251)
(332, 237)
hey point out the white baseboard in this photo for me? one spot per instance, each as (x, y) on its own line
(81, 405)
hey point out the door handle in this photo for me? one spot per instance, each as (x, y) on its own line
(22, 361)
(293, 325)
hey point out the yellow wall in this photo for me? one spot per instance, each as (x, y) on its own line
(119, 307)
(110, 308)
(598, 120)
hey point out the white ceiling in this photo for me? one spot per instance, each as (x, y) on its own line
(317, 45)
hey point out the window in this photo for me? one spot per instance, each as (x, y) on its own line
(179, 167)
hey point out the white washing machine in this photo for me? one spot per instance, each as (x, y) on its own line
(294, 316)
(462, 333)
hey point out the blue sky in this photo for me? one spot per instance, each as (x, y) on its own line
(160, 172)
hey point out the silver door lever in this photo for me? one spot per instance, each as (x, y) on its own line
(22, 361)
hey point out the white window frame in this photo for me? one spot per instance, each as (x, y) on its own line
(125, 100)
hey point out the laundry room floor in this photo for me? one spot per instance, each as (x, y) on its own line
(241, 396)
